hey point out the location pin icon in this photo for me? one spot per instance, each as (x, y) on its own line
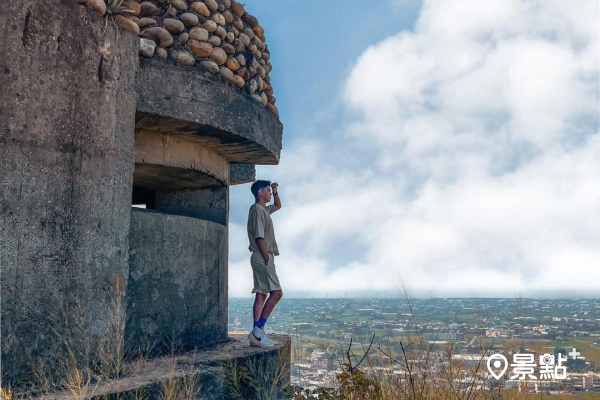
(494, 363)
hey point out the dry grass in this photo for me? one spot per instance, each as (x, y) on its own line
(258, 378)
(7, 394)
(176, 386)
(180, 388)
(84, 366)
(111, 349)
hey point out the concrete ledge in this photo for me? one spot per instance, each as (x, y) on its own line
(181, 100)
(213, 365)
(241, 173)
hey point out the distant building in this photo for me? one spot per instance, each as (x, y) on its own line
(301, 325)
(443, 336)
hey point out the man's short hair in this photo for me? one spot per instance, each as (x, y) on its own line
(258, 185)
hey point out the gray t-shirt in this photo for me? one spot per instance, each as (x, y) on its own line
(261, 225)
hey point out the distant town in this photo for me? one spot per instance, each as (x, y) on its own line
(437, 331)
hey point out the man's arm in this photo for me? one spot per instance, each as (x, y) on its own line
(263, 249)
(277, 201)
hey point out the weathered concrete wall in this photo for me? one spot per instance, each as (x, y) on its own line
(67, 115)
(178, 279)
(241, 173)
(210, 204)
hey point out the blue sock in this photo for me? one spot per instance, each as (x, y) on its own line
(260, 323)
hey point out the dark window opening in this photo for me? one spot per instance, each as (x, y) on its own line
(143, 198)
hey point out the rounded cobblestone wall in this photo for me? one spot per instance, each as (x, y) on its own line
(218, 36)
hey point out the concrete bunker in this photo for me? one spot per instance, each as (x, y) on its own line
(90, 125)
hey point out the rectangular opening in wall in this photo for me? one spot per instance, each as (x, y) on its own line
(179, 191)
(209, 203)
(143, 198)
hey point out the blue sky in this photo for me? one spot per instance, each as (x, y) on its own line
(312, 53)
(313, 44)
(447, 146)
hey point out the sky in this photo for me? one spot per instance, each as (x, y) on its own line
(438, 148)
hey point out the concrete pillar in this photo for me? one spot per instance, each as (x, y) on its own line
(67, 117)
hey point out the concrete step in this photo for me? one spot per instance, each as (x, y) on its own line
(227, 370)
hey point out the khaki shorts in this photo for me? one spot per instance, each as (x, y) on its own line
(265, 276)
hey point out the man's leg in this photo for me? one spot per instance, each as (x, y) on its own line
(259, 302)
(256, 334)
(274, 297)
(272, 301)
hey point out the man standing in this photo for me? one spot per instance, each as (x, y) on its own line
(263, 246)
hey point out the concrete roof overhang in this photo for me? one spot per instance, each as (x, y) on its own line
(208, 110)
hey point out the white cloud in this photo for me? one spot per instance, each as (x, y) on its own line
(484, 122)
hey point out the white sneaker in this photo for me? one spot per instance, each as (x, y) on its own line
(258, 338)
(266, 339)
